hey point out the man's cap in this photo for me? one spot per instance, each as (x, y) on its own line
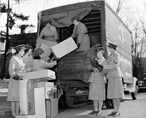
(111, 45)
(38, 51)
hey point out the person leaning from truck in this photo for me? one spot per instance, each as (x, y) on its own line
(81, 33)
(27, 58)
(97, 85)
(49, 33)
(38, 63)
(115, 87)
(16, 68)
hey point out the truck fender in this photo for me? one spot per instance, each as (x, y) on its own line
(132, 86)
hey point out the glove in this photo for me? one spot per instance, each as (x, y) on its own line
(17, 77)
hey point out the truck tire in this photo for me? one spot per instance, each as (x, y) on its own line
(109, 104)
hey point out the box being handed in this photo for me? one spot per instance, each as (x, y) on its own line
(64, 47)
(26, 91)
(40, 75)
(48, 88)
(46, 46)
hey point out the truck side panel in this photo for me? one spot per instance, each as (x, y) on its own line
(118, 33)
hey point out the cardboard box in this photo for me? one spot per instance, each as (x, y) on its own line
(47, 42)
(41, 75)
(46, 47)
(48, 89)
(26, 116)
(26, 90)
(64, 47)
(52, 108)
(40, 109)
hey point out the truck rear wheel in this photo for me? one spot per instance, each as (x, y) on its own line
(109, 104)
(70, 101)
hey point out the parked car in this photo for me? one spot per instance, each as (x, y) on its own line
(142, 85)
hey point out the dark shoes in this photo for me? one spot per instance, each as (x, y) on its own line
(97, 113)
(114, 114)
(93, 112)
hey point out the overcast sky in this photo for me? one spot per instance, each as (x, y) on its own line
(32, 7)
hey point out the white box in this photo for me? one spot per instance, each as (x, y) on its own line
(48, 88)
(40, 75)
(47, 42)
(40, 109)
(46, 46)
(52, 108)
(64, 47)
(26, 89)
(26, 116)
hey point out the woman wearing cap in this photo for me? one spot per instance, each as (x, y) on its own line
(27, 58)
(81, 33)
(49, 33)
(16, 68)
(97, 85)
(38, 63)
(114, 76)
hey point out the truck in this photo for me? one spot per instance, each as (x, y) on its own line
(104, 26)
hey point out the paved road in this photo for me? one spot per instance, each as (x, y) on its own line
(129, 109)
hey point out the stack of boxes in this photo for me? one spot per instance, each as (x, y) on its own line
(37, 95)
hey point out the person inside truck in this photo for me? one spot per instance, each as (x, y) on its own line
(81, 33)
(16, 68)
(49, 33)
(97, 85)
(115, 87)
(27, 58)
(38, 63)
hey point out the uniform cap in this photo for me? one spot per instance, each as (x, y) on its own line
(19, 47)
(111, 45)
(47, 21)
(75, 18)
(38, 52)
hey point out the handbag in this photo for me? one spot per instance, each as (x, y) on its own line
(17, 77)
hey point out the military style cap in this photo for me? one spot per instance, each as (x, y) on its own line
(19, 47)
(47, 21)
(75, 18)
(38, 52)
(111, 45)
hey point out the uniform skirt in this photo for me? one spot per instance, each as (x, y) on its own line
(13, 90)
(97, 91)
(115, 88)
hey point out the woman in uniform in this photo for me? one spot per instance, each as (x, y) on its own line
(38, 63)
(81, 33)
(97, 85)
(16, 68)
(49, 33)
(114, 76)
(27, 58)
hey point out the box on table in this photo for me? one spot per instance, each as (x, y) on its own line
(40, 109)
(26, 89)
(46, 47)
(64, 47)
(52, 108)
(40, 75)
(48, 89)
(25, 116)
